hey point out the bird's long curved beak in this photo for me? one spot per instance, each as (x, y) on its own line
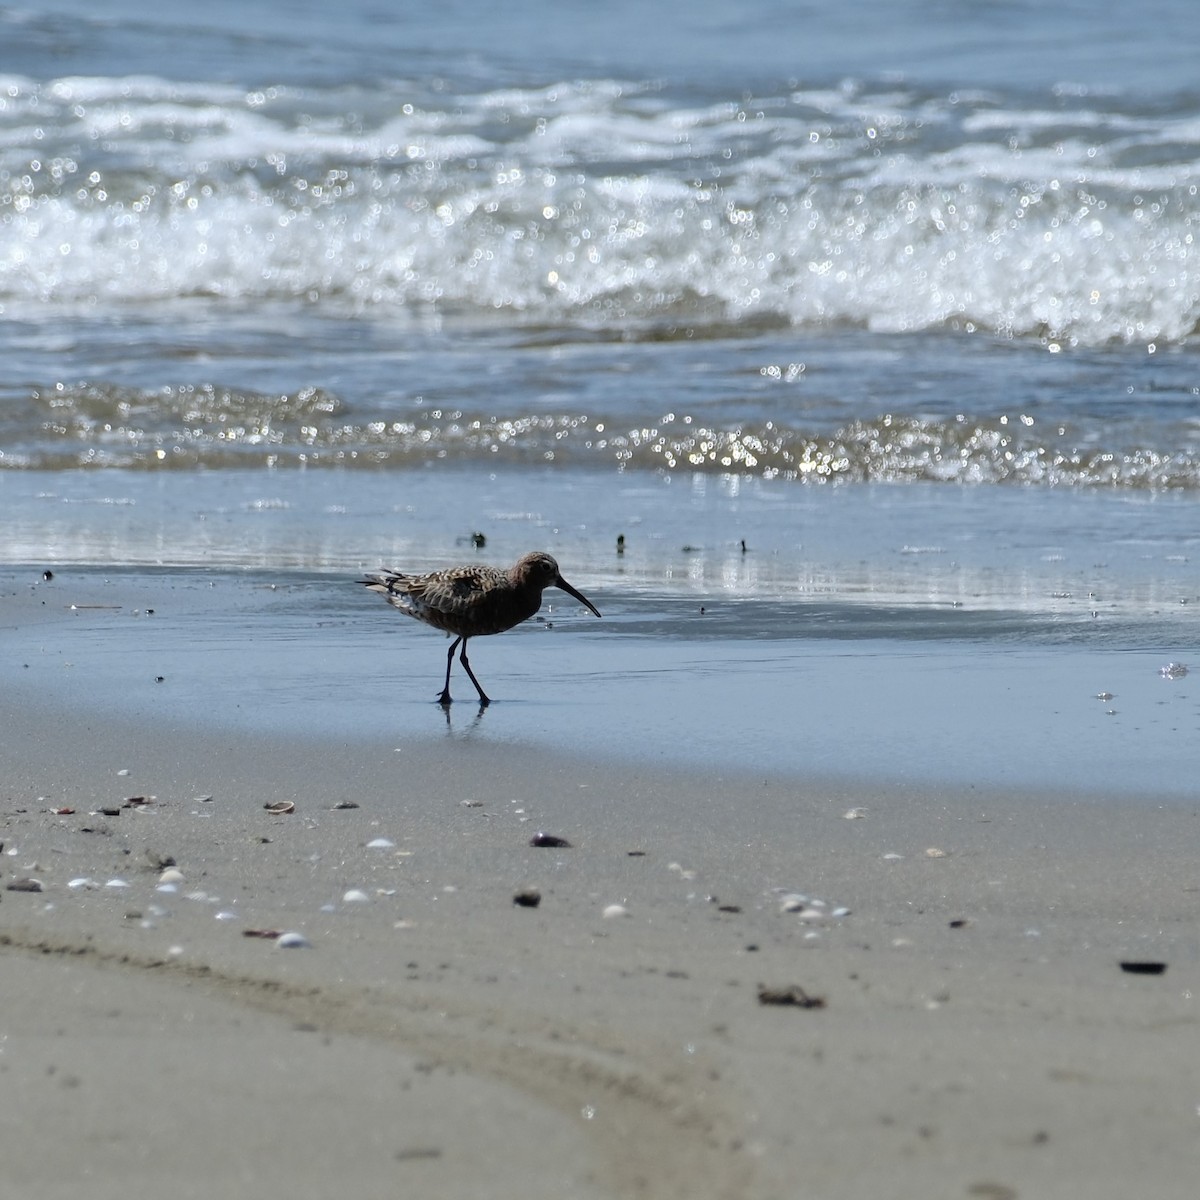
(560, 582)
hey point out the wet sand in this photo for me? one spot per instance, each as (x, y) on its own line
(978, 1036)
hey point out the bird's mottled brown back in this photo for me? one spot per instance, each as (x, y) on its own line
(471, 601)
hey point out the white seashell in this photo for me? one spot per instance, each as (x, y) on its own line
(355, 896)
(169, 888)
(840, 912)
(171, 875)
(934, 852)
(293, 941)
(83, 882)
(793, 902)
(380, 843)
(892, 857)
(116, 883)
(227, 915)
(615, 910)
(854, 814)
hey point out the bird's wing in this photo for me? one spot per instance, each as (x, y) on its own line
(455, 592)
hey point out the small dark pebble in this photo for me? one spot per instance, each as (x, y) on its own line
(958, 923)
(635, 853)
(729, 908)
(527, 898)
(110, 812)
(793, 995)
(1144, 968)
(550, 839)
(24, 885)
(345, 804)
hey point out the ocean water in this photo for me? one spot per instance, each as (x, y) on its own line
(872, 331)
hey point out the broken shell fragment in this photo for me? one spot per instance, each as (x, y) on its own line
(1144, 968)
(551, 840)
(791, 994)
(280, 807)
(293, 941)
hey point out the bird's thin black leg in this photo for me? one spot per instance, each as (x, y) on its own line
(444, 698)
(462, 658)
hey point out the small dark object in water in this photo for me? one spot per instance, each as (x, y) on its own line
(478, 541)
(550, 839)
(1144, 968)
(620, 543)
(527, 898)
(793, 995)
(47, 575)
(160, 679)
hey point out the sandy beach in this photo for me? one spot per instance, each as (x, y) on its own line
(846, 359)
(964, 1025)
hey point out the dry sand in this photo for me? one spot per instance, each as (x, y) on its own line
(978, 1037)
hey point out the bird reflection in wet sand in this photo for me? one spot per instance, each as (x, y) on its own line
(472, 601)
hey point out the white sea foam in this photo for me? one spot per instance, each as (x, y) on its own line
(897, 211)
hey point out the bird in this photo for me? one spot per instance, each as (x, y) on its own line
(471, 601)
